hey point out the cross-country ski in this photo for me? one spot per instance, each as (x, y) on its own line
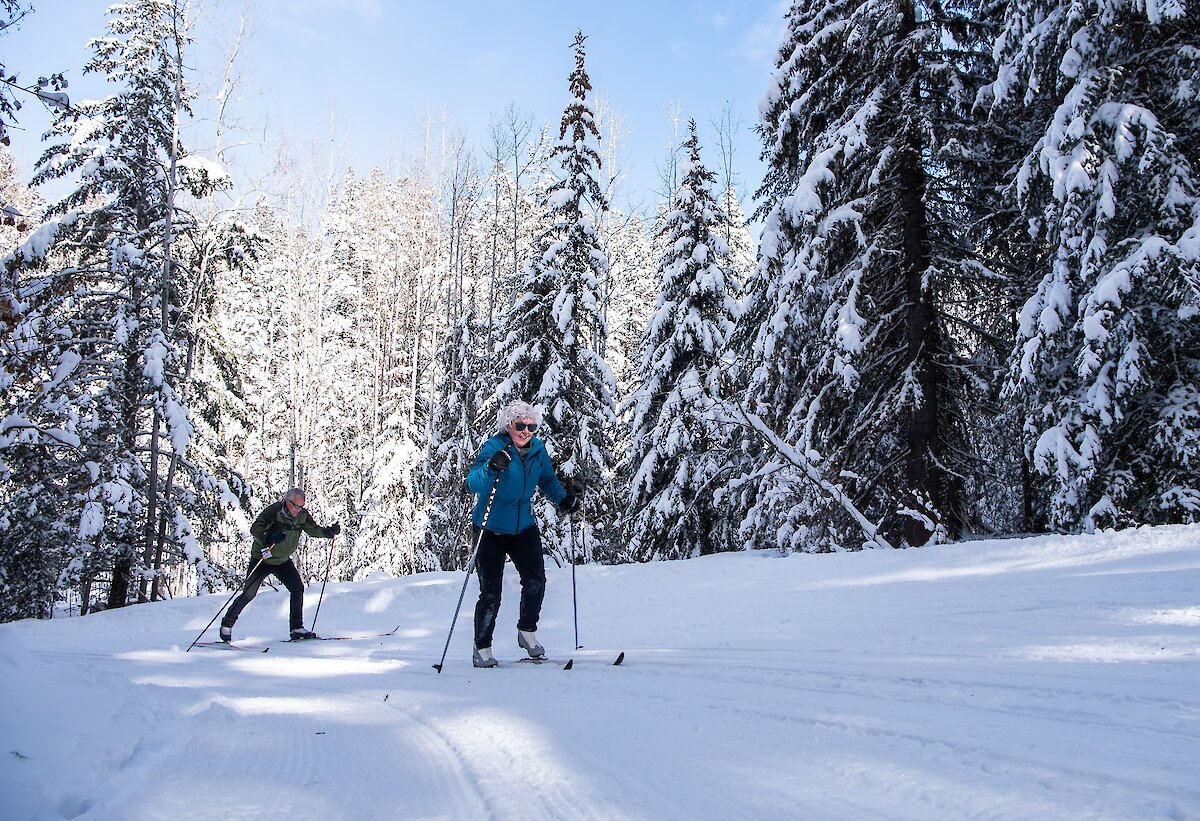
(258, 646)
(570, 663)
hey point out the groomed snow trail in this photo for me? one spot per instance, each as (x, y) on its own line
(1040, 678)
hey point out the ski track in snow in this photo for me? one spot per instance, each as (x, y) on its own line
(1040, 678)
(872, 708)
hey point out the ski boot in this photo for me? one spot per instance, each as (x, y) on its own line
(528, 641)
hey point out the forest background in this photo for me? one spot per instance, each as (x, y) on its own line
(968, 306)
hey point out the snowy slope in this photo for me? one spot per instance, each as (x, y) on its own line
(1049, 677)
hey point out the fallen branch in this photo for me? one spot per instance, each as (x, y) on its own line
(870, 529)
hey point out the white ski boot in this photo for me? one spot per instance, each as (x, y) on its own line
(528, 641)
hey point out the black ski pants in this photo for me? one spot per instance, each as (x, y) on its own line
(525, 549)
(286, 573)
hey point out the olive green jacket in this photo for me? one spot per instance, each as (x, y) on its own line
(274, 522)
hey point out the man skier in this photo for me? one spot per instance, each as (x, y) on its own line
(276, 533)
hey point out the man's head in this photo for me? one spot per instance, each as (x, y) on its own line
(293, 500)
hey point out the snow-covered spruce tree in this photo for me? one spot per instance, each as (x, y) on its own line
(456, 433)
(677, 447)
(35, 446)
(228, 327)
(1000, 499)
(1107, 361)
(219, 253)
(553, 331)
(107, 293)
(847, 339)
(32, 533)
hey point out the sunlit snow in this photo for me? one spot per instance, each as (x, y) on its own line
(1049, 677)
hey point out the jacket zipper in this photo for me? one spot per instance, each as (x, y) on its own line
(524, 486)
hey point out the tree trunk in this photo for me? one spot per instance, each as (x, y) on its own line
(152, 555)
(922, 474)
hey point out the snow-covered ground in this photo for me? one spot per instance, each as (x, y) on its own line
(1043, 678)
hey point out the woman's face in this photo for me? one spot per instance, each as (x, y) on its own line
(521, 431)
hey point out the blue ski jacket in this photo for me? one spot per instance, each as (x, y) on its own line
(511, 512)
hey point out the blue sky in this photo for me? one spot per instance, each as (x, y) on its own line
(370, 71)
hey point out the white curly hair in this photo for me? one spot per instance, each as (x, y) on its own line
(517, 410)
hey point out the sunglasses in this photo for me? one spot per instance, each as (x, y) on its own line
(531, 427)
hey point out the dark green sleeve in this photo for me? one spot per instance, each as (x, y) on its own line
(262, 523)
(312, 528)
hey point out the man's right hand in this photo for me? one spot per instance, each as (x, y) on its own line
(500, 460)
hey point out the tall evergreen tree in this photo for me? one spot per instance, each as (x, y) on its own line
(848, 331)
(107, 292)
(677, 446)
(457, 431)
(1106, 364)
(1000, 499)
(552, 334)
(221, 388)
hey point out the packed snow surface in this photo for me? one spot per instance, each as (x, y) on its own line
(1048, 677)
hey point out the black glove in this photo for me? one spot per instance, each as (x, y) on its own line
(273, 537)
(499, 461)
(571, 502)
(333, 530)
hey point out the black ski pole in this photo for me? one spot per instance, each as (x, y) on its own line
(328, 564)
(226, 604)
(487, 513)
(574, 597)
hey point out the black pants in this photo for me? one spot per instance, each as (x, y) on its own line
(525, 549)
(286, 573)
